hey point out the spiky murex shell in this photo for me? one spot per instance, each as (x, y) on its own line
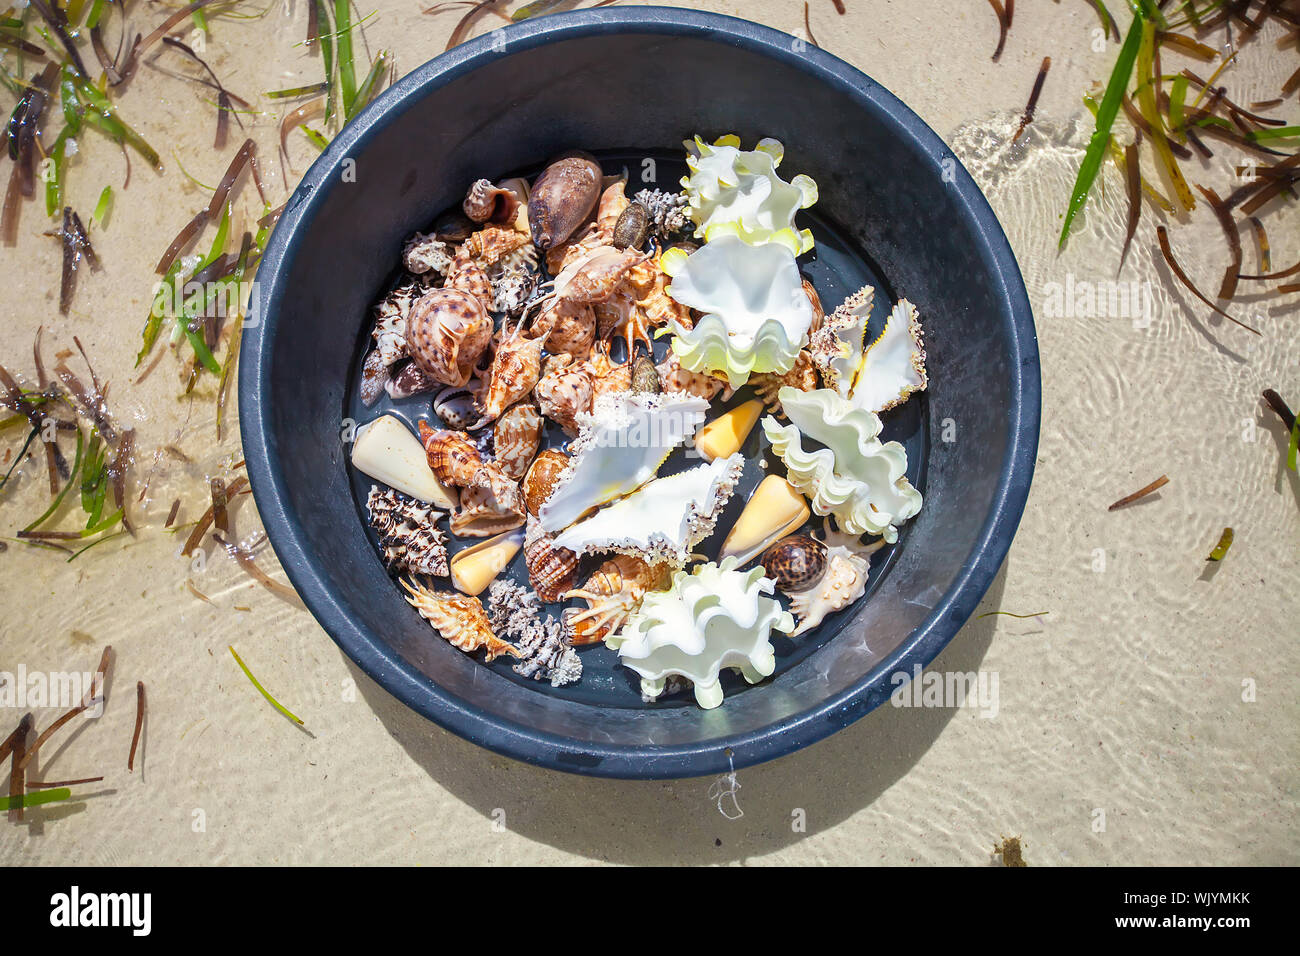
(708, 619)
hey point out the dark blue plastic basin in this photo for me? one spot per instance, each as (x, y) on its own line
(638, 81)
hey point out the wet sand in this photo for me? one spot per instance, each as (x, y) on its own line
(1121, 735)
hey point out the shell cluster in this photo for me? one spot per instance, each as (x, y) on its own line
(519, 344)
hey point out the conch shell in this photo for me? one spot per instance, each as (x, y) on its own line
(515, 439)
(840, 580)
(491, 502)
(674, 378)
(564, 391)
(612, 593)
(446, 333)
(459, 618)
(767, 385)
(551, 570)
(487, 202)
(516, 368)
(563, 196)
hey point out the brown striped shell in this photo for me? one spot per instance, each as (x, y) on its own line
(674, 378)
(563, 391)
(466, 275)
(542, 477)
(452, 457)
(551, 570)
(491, 244)
(515, 438)
(489, 507)
(446, 333)
(795, 563)
(802, 375)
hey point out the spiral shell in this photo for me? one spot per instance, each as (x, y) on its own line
(674, 378)
(460, 407)
(452, 457)
(613, 202)
(612, 593)
(795, 563)
(466, 275)
(516, 367)
(542, 477)
(563, 196)
(459, 619)
(491, 244)
(487, 202)
(551, 570)
(446, 333)
(819, 312)
(607, 376)
(563, 391)
(567, 328)
(516, 437)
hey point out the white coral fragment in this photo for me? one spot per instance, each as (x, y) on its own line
(712, 618)
(623, 441)
(663, 520)
(855, 477)
(735, 192)
(756, 314)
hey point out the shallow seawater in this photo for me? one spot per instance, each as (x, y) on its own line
(837, 269)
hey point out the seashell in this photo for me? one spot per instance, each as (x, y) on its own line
(768, 385)
(551, 570)
(389, 332)
(711, 618)
(564, 392)
(374, 377)
(488, 508)
(408, 380)
(596, 276)
(486, 202)
(724, 435)
(795, 563)
(459, 619)
(491, 244)
(542, 476)
(613, 203)
(452, 457)
(819, 313)
(893, 366)
(475, 567)
(843, 580)
(756, 317)
(612, 593)
(620, 315)
(738, 193)
(632, 228)
(515, 613)
(852, 475)
(459, 406)
(623, 442)
(512, 289)
(838, 346)
(408, 532)
(674, 378)
(466, 275)
(446, 333)
(516, 368)
(607, 376)
(649, 284)
(667, 212)
(385, 450)
(422, 255)
(774, 510)
(454, 226)
(515, 439)
(645, 377)
(562, 198)
(664, 519)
